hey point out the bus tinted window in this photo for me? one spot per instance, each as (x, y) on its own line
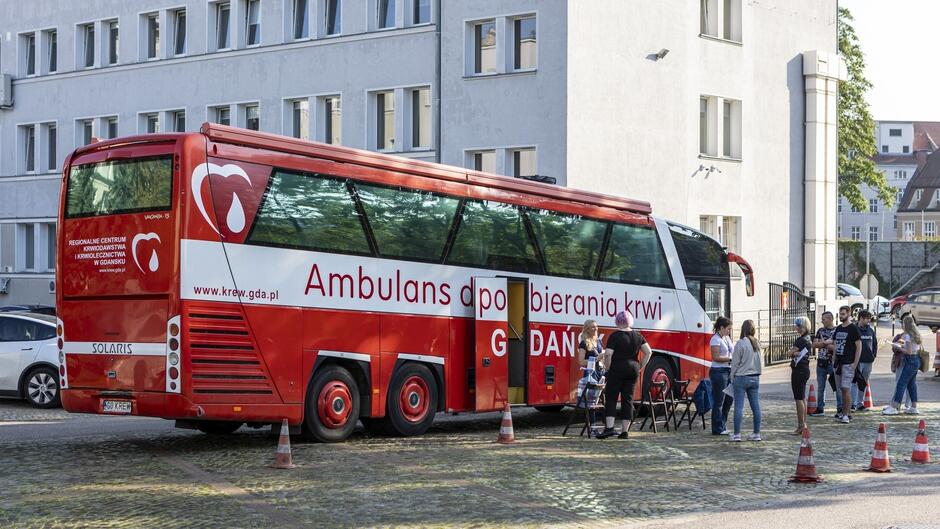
(699, 254)
(310, 212)
(570, 244)
(634, 255)
(492, 235)
(120, 186)
(408, 224)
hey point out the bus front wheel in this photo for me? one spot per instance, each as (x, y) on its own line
(658, 369)
(332, 405)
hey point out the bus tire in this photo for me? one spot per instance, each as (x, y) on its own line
(550, 408)
(332, 405)
(658, 369)
(218, 427)
(412, 401)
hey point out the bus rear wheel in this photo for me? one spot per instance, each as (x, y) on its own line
(659, 369)
(332, 405)
(412, 401)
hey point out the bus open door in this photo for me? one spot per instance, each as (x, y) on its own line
(491, 342)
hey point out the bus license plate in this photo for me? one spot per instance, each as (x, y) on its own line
(117, 406)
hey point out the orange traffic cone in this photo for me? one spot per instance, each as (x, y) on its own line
(283, 459)
(866, 402)
(921, 448)
(806, 464)
(811, 401)
(506, 435)
(880, 461)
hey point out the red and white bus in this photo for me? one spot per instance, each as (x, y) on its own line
(231, 277)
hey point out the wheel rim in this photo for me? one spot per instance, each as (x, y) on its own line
(41, 388)
(334, 404)
(413, 399)
(659, 375)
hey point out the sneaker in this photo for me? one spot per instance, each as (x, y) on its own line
(735, 438)
(890, 410)
(606, 433)
(817, 413)
(862, 409)
(724, 432)
(845, 419)
(854, 407)
(754, 437)
(911, 411)
(838, 416)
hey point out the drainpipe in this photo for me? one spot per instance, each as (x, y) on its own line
(439, 4)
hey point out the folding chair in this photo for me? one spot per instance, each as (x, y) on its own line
(655, 398)
(679, 398)
(590, 401)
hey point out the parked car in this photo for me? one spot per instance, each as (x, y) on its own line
(898, 301)
(924, 307)
(29, 358)
(854, 298)
(38, 309)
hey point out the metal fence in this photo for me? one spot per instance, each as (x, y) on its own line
(786, 304)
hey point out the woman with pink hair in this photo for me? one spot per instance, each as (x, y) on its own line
(623, 371)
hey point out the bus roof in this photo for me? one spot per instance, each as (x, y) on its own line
(262, 140)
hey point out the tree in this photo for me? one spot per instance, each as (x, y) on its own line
(857, 147)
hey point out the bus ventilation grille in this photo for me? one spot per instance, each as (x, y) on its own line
(225, 362)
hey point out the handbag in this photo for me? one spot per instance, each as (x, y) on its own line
(924, 359)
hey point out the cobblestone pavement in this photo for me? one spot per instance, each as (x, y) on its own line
(454, 476)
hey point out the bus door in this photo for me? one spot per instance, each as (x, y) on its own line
(518, 352)
(491, 347)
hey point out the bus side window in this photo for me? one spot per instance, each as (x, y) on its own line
(634, 255)
(570, 244)
(493, 235)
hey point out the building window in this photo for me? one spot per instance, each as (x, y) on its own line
(179, 32)
(930, 229)
(253, 23)
(840, 204)
(179, 120)
(29, 43)
(86, 128)
(906, 149)
(900, 195)
(900, 174)
(301, 20)
(873, 233)
(524, 162)
(703, 128)
(87, 32)
(112, 128)
(917, 196)
(894, 132)
(484, 47)
(873, 205)
(223, 11)
(222, 115)
(908, 231)
(484, 161)
(113, 42)
(52, 141)
(252, 117)
(333, 120)
(421, 118)
(151, 123)
(727, 130)
(334, 17)
(153, 36)
(300, 119)
(29, 246)
(50, 246)
(29, 148)
(422, 12)
(884, 148)
(895, 222)
(52, 61)
(720, 19)
(525, 49)
(855, 209)
(385, 121)
(856, 233)
(386, 14)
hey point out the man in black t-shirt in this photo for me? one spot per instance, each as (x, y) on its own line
(824, 371)
(848, 343)
(865, 361)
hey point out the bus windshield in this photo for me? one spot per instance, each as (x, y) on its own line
(120, 186)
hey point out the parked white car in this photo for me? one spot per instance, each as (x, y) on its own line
(29, 358)
(854, 298)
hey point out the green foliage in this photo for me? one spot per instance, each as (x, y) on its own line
(856, 127)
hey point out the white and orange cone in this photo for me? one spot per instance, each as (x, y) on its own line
(866, 402)
(921, 452)
(283, 459)
(880, 461)
(806, 463)
(811, 401)
(506, 435)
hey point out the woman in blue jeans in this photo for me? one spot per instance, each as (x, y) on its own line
(910, 363)
(746, 365)
(720, 374)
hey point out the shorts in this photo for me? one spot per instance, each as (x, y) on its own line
(845, 374)
(798, 378)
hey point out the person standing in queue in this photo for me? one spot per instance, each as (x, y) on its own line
(824, 371)
(590, 345)
(746, 367)
(868, 354)
(720, 374)
(799, 370)
(623, 370)
(848, 344)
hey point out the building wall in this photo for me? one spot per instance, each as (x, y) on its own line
(888, 144)
(884, 218)
(634, 121)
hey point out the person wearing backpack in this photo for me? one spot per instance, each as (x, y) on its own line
(746, 365)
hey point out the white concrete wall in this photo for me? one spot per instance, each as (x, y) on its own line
(895, 144)
(633, 122)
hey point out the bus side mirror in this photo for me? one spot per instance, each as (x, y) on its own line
(748, 272)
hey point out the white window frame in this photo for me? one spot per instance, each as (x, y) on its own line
(908, 230)
(930, 229)
(81, 43)
(873, 233)
(145, 34)
(25, 150)
(511, 26)
(323, 116)
(20, 262)
(212, 26)
(143, 122)
(714, 24)
(106, 43)
(287, 118)
(242, 117)
(411, 7)
(212, 113)
(873, 205)
(504, 25)
(106, 126)
(48, 233)
(511, 160)
(856, 232)
(372, 10)
(23, 40)
(409, 118)
(471, 154)
(290, 18)
(322, 26)
(245, 17)
(173, 15)
(373, 130)
(80, 124)
(717, 136)
(45, 44)
(48, 152)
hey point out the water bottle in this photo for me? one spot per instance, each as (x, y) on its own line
(590, 364)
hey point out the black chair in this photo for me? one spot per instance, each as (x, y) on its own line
(589, 402)
(655, 399)
(680, 399)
